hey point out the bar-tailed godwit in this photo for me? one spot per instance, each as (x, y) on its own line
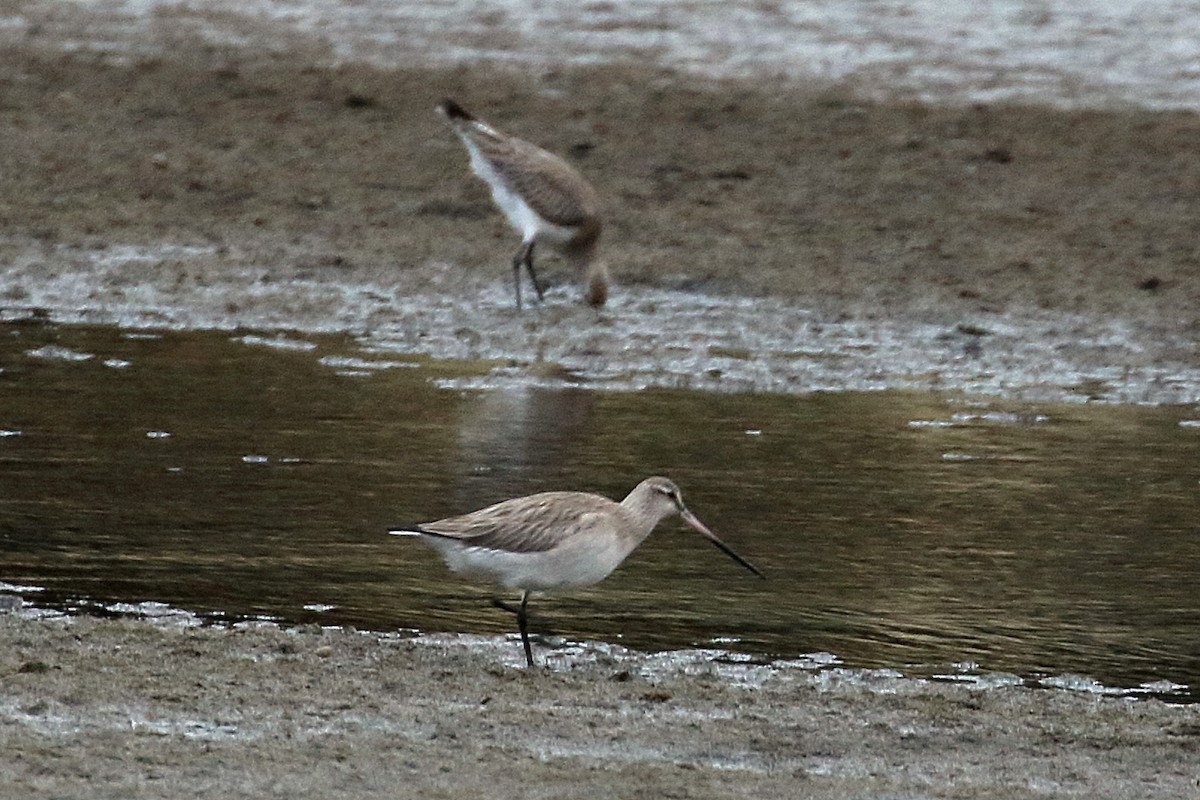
(556, 540)
(544, 198)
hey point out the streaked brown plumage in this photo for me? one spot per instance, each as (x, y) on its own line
(556, 539)
(543, 196)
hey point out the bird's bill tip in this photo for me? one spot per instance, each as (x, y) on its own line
(702, 529)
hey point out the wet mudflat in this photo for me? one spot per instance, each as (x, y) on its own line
(109, 708)
(763, 237)
(227, 173)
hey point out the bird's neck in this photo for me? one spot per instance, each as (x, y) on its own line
(594, 272)
(643, 515)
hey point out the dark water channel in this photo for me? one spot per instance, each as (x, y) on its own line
(914, 531)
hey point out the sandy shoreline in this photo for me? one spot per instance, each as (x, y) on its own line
(124, 708)
(765, 237)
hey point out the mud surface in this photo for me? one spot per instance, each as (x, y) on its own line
(182, 179)
(765, 234)
(132, 709)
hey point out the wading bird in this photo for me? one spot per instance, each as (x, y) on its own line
(544, 198)
(556, 540)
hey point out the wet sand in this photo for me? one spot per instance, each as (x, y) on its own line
(781, 237)
(121, 709)
(211, 184)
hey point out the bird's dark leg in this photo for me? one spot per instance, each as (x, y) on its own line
(523, 624)
(520, 258)
(537, 287)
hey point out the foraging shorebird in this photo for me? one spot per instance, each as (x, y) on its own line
(556, 540)
(544, 198)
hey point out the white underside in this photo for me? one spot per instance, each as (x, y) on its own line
(519, 214)
(581, 562)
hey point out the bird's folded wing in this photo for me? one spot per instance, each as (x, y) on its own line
(526, 525)
(548, 184)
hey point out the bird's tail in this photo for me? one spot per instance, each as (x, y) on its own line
(466, 124)
(404, 532)
(453, 110)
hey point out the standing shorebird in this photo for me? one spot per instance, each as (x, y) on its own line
(544, 198)
(555, 540)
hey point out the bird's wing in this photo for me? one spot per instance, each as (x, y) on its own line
(551, 186)
(525, 525)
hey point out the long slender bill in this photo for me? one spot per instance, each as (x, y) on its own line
(691, 520)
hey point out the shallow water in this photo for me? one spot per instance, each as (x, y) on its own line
(239, 474)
